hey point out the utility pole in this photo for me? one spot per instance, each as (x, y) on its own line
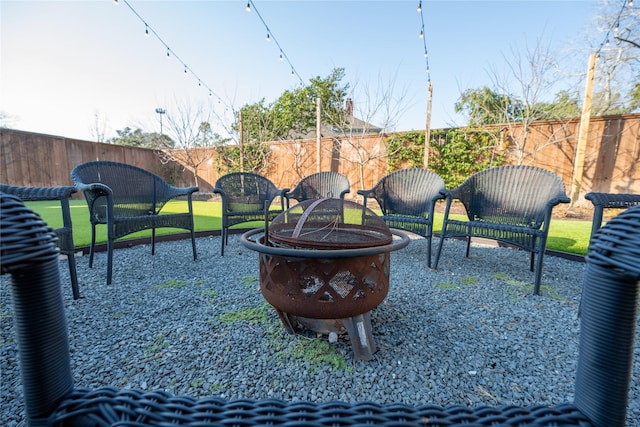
(160, 112)
(241, 141)
(318, 127)
(427, 132)
(578, 163)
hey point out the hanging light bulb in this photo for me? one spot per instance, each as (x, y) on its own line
(630, 3)
(248, 7)
(607, 43)
(268, 37)
(280, 57)
(146, 30)
(421, 34)
(420, 6)
(168, 52)
(115, 2)
(292, 73)
(617, 27)
(425, 54)
(185, 69)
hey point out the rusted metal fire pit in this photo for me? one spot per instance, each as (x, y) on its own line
(324, 265)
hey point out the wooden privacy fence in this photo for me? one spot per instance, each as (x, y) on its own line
(612, 160)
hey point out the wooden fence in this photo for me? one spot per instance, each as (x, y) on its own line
(612, 161)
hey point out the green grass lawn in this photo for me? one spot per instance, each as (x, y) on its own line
(565, 235)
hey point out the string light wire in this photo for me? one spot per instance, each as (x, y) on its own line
(424, 41)
(270, 36)
(614, 27)
(170, 52)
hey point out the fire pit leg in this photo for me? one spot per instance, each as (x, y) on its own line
(359, 330)
(286, 321)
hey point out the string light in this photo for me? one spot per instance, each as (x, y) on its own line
(424, 41)
(615, 26)
(252, 6)
(149, 30)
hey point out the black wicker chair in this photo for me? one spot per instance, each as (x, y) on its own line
(602, 201)
(128, 199)
(246, 197)
(318, 186)
(28, 254)
(407, 198)
(510, 204)
(64, 233)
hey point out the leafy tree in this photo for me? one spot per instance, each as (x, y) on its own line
(294, 113)
(484, 106)
(141, 139)
(461, 152)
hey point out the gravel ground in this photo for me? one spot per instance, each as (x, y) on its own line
(469, 333)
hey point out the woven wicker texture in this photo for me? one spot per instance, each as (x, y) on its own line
(407, 198)
(29, 253)
(609, 313)
(134, 408)
(602, 201)
(64, 233)
(246, 197)
(510, 204)
(128, 199)
(318, 186)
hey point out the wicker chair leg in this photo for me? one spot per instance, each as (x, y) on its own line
(93, 245)
(73, 275)
(109, 260)
(193, 244)
(468, 247)
(538, 274)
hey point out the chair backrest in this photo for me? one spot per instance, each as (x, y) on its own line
(518, 195)
(245, 191)
(135, 191)
(408, 192)
(321, 185)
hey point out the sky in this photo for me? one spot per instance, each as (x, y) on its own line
(68, 68)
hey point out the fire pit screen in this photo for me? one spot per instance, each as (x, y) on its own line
(324, 265)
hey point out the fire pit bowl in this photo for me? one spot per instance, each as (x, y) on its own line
(324, 264)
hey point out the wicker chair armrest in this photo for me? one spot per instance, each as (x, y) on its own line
(282, 193)
(560, 199)
(180, 191)
(612, 200)
(96, 189)
(39, 193)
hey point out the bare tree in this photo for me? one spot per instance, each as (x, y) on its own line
(521, 94)
(99, 127)
(190, 127)
(6, 120)
(357, 139)
(618, 47)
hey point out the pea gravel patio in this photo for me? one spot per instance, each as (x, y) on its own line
(470, 333)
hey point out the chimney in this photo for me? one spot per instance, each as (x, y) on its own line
(349, 107)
